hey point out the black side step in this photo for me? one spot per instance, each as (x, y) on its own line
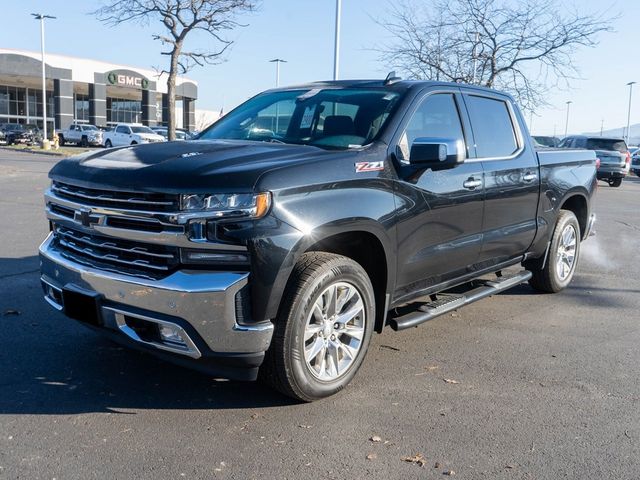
(448, 302)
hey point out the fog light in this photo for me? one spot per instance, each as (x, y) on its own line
(170, 334)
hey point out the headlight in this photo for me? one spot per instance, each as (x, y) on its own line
(254, 205)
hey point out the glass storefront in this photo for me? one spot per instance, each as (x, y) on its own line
(120, 110)
(24, 105)
(81, 108)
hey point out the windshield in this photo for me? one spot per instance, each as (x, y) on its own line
(329, 118)
(142, 130)
(89, 127)
(607, 144)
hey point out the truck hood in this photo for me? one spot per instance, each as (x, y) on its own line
(201, 166)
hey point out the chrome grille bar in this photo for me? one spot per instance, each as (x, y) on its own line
(153, 202)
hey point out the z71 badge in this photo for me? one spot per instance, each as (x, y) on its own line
(369, 166)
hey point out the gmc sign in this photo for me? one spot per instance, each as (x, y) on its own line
(126, 80)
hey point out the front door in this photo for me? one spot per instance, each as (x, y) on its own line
(439, 212)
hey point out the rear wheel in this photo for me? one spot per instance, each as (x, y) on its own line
(108, 144)
(323, 329)
(84, 142)
(615, 182)
(562, 258)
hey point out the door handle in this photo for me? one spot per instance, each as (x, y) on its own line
(472, 183)
(529, 177)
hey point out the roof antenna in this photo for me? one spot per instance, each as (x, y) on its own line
(392, 78)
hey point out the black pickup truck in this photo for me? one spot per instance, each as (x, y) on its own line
(308, 218)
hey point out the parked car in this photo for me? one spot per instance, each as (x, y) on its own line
(248, 251)
(82, 134)
(547, 141)
(635, 162)
(180, 134)
(18, 133)
(615, 160)
(125, 134)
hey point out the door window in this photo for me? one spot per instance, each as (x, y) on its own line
(122, 129)
(437, 116)
(492, 127)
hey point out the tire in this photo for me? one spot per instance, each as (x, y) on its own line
(108, 144)
(84, 142)
(615, 182)
(61, 140)
(134, 143)
(553, 277)
(300, 361)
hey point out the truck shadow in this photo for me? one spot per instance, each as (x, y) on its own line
(50, 364)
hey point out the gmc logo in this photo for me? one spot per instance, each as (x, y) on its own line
(127, 80)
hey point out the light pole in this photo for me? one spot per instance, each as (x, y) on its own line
(630, 85)
(475, 58)
(41, 17)
(336, 45)
(566, 123)
(277, 61)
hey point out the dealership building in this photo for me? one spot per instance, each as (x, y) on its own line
(88, 91)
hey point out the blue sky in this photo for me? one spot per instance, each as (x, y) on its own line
(301, 31)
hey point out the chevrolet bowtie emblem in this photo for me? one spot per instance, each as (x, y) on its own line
(84, 217)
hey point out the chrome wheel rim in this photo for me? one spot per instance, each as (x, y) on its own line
(566, 254)
(334, 331)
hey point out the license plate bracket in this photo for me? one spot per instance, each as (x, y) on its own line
(82, 305)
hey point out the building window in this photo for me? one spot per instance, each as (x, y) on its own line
(82, 108)
(120, 110)
(24, 105)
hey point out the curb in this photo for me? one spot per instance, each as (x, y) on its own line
(35, 152)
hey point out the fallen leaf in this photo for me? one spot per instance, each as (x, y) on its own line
(375, 439)
(11, 311)
(449, 380)
(449, 473)
(509, 466)
(431, 368)
(436, 465)
(305, 426)
(418, 459)
(371, 456)
(389, 347)
(454, 314)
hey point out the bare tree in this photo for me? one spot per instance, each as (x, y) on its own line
(523, 47)
(179, 18)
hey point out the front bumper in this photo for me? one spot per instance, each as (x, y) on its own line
(199, 305)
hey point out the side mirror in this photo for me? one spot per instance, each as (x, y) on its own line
(437, 153)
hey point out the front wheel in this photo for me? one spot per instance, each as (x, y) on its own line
(323, 329)
(562, 258)
(108, 144)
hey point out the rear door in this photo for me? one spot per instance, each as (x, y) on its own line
(511, 174)
(439, 212)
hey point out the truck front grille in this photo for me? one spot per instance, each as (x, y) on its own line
(121, 254)
(154, 202)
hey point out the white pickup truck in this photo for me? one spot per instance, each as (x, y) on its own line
(81, 134)
(125, 134)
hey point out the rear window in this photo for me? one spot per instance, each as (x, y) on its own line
(607, 144)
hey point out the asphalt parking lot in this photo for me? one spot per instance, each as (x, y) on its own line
(544, 386)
